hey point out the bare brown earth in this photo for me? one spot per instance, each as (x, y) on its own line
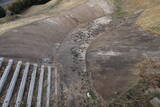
(90, 56)
(56, 38)
(112, 58)
(40, 39)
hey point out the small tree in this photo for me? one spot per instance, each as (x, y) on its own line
(2, 12)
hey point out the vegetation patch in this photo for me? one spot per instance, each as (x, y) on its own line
(2, 12)
(145, 90)
(134, 5)
(92, 99)
(120, 11)
(150, 19)
(17, 6)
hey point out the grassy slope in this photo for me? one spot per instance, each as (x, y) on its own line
(38, 12)
(134, 5)
(49, 8)
(150, 18)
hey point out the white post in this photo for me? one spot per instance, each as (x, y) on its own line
(1, 61)
(48, 86)
(5, 74)
(40, 87)
(12, 85)
(31, 87)
(22, 85)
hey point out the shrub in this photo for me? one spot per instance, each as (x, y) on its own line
(19, 5)
(2, 12)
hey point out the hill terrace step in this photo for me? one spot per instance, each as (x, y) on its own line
(24, 84)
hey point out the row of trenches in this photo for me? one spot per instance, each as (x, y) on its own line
(27, 85)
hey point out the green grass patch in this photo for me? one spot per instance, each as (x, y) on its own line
(2, 12)
(119, 12)
(155, 29)
(8, 18)
(92, 99)
(17, 6)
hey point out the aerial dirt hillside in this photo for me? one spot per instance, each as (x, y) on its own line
(46, 30)
(39, 12)
(58, 36)
(88, 53)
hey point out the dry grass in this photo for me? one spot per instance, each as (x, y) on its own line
(150, 18)
(139, 95)
(134, 5)
(20, 22)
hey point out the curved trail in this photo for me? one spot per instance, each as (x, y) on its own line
(72, 58)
